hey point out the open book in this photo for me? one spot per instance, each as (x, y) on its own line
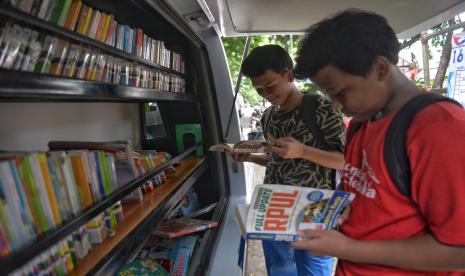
(276, 212)
(246, 146)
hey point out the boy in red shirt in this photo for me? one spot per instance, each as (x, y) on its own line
(352, 57)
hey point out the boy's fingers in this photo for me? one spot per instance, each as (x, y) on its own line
(303, 244)
(278, 150)
(310, 233)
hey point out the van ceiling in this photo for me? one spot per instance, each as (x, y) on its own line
(253, 17)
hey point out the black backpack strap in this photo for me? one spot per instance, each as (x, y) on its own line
(308, 111)
(265, 119)
(395, 149)
(351, 131)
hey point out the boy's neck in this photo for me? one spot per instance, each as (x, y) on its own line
(404, 90)
(294, 99)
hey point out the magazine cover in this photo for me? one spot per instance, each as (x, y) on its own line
(276, 212)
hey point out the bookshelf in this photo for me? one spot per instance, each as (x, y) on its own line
(154, 205)
(28, 86)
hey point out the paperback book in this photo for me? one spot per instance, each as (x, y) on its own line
(246, 146)
(277, 212)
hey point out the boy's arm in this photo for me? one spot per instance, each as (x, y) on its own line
(260, 159)
(418, 253)
(289, 147)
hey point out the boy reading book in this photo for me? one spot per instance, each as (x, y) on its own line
(352, 56)
(296, 157)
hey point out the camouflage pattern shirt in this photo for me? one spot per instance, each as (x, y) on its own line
(300, 172)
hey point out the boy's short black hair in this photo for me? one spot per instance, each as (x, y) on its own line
(266, 57)
(349, 41)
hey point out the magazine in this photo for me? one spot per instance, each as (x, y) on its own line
(277, 212)
(181, 227)
(246, 146)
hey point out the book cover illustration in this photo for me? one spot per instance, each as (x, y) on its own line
(145, 267)
(182, 227)
(277, 212)
(246, 146)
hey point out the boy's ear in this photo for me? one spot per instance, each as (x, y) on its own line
(290, 75)
(381, 67)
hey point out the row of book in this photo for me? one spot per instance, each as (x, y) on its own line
(41, 190)
(101, 26)
(63, 257)
(27, 50)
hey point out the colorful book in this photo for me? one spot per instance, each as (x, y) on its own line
(47, 180)
(66, 176)
(109, 19)
(81, 19)
(73, 15)
(93, 24)
(80, 167)
(85, 24)
(33, 195)
(60, 189)
(10, 209)
(61, 12)
(100, 26)
(40, 184)
(277, 212)
(181, 227)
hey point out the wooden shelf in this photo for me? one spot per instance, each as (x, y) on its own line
(135, 214)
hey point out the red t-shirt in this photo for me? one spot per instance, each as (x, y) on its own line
(436, 150)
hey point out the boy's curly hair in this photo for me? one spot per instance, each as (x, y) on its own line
(350, 41)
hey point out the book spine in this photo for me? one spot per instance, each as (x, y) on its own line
(73, 15)
(106, 27)
(81, 19)
(64, 13)
(85, 25)
(101, 23)
(47, 180)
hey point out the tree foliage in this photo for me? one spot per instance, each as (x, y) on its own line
(234, 47)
